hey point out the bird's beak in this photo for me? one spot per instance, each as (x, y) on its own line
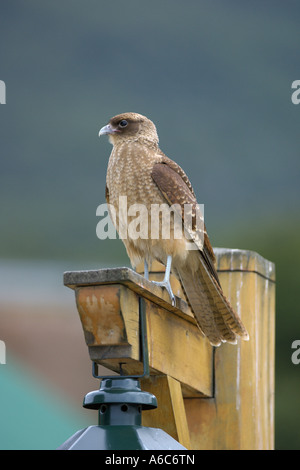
(106, 130)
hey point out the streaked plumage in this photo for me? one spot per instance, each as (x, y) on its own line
(138, 169)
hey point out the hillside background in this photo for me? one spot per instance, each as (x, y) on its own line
(216, 79)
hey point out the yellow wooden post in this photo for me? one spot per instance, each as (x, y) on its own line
(241, 413)
(208, 398)
(170, 413)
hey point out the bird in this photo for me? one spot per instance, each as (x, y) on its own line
(141, 174)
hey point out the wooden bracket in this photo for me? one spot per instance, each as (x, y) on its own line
(208, 398)
(108, 305)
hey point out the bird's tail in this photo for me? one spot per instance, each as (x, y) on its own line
(213, 312)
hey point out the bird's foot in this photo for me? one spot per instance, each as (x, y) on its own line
(167, 286)
(166, 282)
(146, 270)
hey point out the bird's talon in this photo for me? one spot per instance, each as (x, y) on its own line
(167, 286)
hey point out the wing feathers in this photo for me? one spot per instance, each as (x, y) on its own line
(176, 189)
(215, 316)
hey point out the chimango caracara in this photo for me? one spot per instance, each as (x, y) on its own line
(140, 173)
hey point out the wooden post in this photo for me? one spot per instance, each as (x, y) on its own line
(208, 398)
(241, 413)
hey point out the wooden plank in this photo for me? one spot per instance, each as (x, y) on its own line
(108, 333)
(133, 281)
(170, 413)
(241, 413)
(110, 318)
(172, 342)
(234, 260)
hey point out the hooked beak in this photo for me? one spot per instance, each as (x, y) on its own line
(107, 130)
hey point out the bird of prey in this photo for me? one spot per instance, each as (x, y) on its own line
(139, 170)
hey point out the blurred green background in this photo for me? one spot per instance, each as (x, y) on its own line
(215, 77)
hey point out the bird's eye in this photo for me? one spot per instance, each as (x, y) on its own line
(123, 123)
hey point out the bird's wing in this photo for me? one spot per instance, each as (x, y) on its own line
(177, 189)
(215, 316)
(106, 194)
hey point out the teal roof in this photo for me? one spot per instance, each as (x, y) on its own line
(31, 417)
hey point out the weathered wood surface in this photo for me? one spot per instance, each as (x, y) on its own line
(237, 381)
(241, 413)
(134, 281)
(107, 302)
(170, 408)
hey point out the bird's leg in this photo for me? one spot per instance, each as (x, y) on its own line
(166, 282)
(146, 270)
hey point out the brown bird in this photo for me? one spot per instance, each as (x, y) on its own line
(142, 175)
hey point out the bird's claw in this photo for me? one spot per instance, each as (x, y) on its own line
(166, 282)
(168, 288)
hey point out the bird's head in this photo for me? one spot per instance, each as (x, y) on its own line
(128, 127)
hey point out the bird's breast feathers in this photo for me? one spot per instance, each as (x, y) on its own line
(129, 173)
(143, 217)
